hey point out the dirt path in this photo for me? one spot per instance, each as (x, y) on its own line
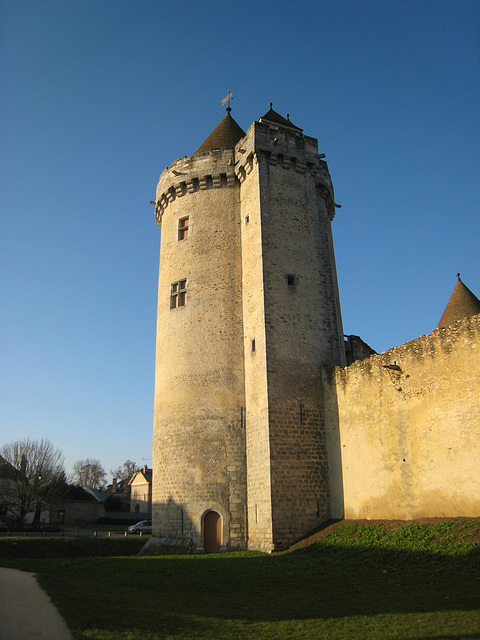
(26, 610)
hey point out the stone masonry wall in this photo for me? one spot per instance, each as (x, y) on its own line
(404, 429)
(259, 501)
(295, 322)
(199, 435)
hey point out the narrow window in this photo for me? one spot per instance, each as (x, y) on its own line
(183, 228)
(178, 294)
(253, 345)
(290, 280)
(247, 219)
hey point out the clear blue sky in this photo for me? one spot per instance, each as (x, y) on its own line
(98, 97)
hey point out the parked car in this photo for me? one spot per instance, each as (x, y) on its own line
(144, 526)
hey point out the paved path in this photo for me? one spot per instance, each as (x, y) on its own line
(27, 612)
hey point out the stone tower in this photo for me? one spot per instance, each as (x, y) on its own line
(248, 312)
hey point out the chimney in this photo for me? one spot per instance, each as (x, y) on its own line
(114, 485)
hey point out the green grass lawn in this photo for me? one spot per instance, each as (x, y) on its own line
(355, 582)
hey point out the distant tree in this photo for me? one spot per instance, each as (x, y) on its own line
(32, 476)
(89, 473)
(126, 471)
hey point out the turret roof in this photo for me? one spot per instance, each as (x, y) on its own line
(224, 136)
(273, 116)
(462, 304)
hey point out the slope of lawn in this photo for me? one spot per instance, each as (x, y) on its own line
(354, 581)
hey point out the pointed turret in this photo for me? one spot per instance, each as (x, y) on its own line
(462, 304)
(275, 118)
(224, 136)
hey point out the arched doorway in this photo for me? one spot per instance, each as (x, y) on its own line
(212, 532)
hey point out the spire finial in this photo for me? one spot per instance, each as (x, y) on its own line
(228, 98)
(458, 276)
(270, 104)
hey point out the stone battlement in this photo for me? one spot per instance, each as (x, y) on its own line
(207, 170)
(276, 146)
(281, 147)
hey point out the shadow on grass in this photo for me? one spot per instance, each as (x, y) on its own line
(186, 595)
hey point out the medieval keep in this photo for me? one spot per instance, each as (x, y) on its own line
(255, 443)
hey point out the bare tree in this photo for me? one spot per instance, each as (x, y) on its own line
(32, 476)
(89, 473)
(126, 471)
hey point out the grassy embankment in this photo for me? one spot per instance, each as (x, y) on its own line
(354, 582)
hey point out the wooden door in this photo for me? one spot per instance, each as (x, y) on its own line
(212, 532)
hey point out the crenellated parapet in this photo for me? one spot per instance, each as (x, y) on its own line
(272, 144)
(201, 171)
(288, 149)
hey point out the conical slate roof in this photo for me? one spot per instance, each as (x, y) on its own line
(462, 304)
(273, 116)
(224, 136)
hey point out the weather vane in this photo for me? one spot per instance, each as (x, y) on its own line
(228, 98)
